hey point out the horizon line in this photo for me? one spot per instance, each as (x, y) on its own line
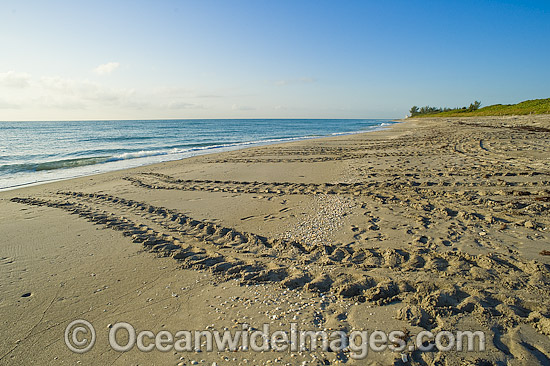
(189, 119)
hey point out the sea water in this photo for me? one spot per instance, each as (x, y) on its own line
(42, 151)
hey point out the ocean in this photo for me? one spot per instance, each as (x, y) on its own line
(37, 152)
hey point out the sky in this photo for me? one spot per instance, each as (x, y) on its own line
(86, 60)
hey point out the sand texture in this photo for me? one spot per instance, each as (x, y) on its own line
(434, 224)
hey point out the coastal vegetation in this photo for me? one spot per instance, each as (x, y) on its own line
(535, 106)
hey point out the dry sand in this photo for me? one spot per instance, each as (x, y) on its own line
(435, 224)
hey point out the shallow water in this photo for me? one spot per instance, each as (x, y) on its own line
(34, 152)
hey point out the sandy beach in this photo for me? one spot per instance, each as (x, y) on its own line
(433, 224)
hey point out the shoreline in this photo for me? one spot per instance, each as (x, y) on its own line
(435, 225)
(192, 153)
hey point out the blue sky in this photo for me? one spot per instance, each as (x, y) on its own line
(64, 60)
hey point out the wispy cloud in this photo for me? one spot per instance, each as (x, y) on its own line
(4, 104)
(14, 79)
(181, 105)
(107, 68)
(57, 94)
(48, 101)
(303, 80)
(181, 92)
(237, 107)
(85, 89)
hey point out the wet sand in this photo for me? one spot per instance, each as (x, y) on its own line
(434, 224)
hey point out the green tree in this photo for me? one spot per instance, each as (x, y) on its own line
(474, 106)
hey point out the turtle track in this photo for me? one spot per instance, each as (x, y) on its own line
(361, 274)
